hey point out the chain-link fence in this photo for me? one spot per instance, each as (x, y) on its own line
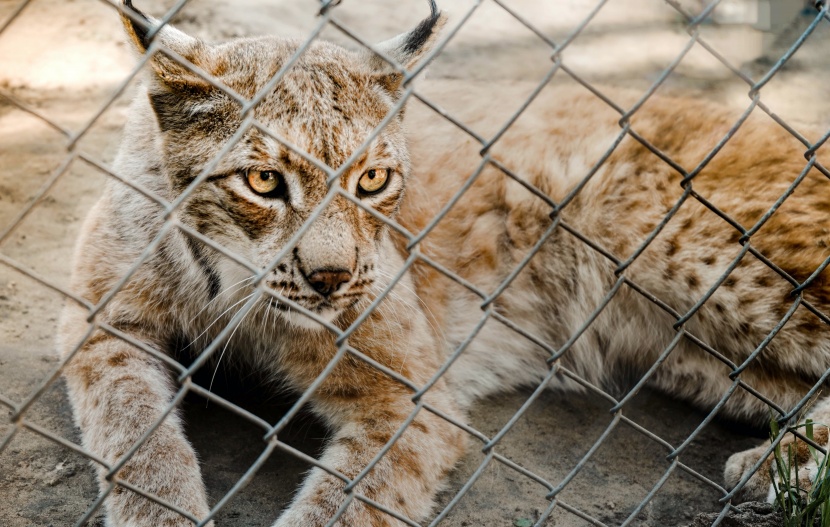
(42, 292)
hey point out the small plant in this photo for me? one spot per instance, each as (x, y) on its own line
(801, 507)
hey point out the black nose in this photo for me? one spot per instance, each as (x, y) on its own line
(327, 281)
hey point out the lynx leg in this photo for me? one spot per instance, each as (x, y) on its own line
(405, 480)
(760, 487)
(118, 392)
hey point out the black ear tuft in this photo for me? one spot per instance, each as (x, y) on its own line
(407, 49)
(179, 97)
(138, 32)
(419, 36)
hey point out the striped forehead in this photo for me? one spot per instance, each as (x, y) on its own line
(329, 141)
(328, 113)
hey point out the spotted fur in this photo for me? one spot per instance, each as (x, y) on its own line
(326, 105)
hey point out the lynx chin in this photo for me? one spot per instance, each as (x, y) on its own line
(270, 182)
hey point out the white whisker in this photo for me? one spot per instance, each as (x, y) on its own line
(431, 319)
(227, 343)
(226, 290)
(215, 320)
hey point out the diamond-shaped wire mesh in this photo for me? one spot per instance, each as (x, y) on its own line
(625, 467)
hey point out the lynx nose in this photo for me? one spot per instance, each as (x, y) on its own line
(327, 281)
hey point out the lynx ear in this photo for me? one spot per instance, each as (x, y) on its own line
(407, 49)
(174, 90)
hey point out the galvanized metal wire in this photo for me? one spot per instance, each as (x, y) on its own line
(489, 445)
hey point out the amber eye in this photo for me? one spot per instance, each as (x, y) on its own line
(373, 181)
(265, 181)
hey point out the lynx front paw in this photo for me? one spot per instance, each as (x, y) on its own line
(796, 457)
(759, 486)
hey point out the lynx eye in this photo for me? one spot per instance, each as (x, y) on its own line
(265, 181)
(373, 181)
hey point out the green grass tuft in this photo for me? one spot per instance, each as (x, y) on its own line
(801, 507)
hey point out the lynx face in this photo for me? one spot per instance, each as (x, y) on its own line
(262, 192)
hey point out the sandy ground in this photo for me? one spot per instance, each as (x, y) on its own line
(65, 60)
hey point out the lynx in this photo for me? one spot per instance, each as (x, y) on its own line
(266, 194)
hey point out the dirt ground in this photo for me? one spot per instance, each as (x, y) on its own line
(66, 60)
